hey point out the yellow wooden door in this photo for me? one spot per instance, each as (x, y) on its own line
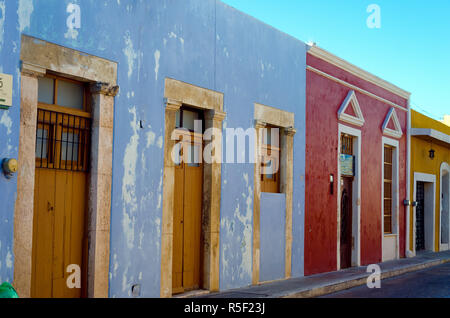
(186, 266)
(60, 204)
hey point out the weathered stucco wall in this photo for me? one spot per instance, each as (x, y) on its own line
(201, 42)
(273, 225)
(256, 64)
(324, 99)
(9, 131)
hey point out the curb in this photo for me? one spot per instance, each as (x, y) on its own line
(333, 288)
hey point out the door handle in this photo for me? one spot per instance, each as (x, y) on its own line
(49, 207)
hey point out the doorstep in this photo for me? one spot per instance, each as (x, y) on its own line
(192, 294)
(327, 283)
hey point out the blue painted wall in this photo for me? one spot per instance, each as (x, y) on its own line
(256, 63)
(202, 42)
(9, 133)
(273, 237)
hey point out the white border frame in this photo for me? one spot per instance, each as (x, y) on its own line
(356, 195)
(444, 167)
(398, 132)
(430, 178)
(352, 101)
(395, 196)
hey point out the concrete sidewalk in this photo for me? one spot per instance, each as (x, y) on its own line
(327, 283)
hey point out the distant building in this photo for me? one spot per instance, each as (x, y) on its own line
(429, 218)
(446, 120)
(356, 172)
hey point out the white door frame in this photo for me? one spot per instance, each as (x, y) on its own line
(427, 178)
(395, 197)
(356, 195)
(444, 167)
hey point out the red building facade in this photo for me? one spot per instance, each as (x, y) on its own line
(356, 166)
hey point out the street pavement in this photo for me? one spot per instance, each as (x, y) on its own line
(433, 282)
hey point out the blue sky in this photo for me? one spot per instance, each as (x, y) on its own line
(410, 50)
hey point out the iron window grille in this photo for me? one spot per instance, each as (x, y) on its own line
(62, 141)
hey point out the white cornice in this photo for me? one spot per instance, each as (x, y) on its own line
(432, 133)
(355, 88)
(346, 66)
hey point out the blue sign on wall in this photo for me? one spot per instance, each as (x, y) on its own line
(347, 163)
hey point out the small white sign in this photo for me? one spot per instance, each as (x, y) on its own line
(6, 82)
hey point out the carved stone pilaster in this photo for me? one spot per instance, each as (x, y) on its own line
(32, 70)
(104, 89)
(172, 104)
(290, 132)
(260, 124)
(215, 115)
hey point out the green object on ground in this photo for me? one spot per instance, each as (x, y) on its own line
(7, 291)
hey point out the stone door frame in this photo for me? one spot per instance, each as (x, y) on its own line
(37, 58)
(176, 95)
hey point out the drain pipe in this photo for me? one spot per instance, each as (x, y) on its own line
(408, 251)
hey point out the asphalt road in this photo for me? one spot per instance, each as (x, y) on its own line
(429, 283)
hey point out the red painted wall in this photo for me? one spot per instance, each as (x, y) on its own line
(324, 97)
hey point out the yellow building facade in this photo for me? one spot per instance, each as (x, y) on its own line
(429, 217)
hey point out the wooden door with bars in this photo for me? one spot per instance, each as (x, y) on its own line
(346, 230)
(63, 135)
(187, 231)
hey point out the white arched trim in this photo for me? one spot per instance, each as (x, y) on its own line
(444, 199)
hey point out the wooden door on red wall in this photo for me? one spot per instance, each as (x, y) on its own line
(346, 222)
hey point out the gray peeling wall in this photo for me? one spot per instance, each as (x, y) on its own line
(201, 42)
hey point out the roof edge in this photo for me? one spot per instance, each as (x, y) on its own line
(353, 69)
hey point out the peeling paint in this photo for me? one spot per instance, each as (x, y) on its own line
(25, 10)
(160, 142)
(129, 182)
(7, 122)
(172, 35)
(71, 34)
(160, 191)
(151, 137)
(157, 57)
(2, 22)
(125, 281)
(115, 266)
(9, 262)
(141, 237)
(130, 53)
(246, 221)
